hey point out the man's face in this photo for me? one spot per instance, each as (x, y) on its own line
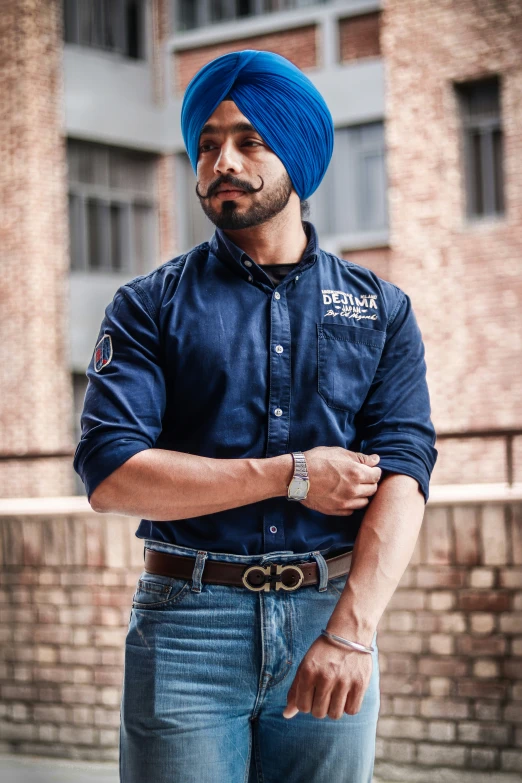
(241, 182)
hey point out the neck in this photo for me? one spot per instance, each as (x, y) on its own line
(281, 240)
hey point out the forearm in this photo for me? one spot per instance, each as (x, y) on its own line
(167, 485)
(382, 551)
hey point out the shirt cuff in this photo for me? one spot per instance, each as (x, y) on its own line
(104, 460)
(406, 468)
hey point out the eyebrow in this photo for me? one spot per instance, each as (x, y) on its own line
(238, 127)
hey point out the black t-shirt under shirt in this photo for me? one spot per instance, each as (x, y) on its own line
(276, 272)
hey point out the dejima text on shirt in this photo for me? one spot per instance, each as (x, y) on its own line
(205, 355)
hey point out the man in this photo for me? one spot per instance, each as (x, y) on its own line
(252, 372)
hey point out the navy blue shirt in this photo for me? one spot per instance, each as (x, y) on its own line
(206, 355)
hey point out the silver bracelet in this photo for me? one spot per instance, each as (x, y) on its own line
(353, 645)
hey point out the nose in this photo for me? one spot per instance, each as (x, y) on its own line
(228, 159)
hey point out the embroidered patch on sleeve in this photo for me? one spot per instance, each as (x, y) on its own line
(103, 352)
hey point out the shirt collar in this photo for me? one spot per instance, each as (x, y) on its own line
(226, 250)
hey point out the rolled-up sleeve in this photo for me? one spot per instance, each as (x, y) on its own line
(394, 420)
(125, 398)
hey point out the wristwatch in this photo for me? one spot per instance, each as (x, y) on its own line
(300, 484)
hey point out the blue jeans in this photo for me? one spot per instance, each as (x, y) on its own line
(207, 672)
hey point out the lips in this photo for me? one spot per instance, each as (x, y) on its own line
(229, 191)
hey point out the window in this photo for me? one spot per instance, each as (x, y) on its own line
(352, 198)
(113, 25)
(112, 209)
(200, 13)
(479, 104)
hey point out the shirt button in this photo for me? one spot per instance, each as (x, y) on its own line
(247, 262)
(250, 278)
(279, 348)
(278, 412)
(277, 295)
(273, 529)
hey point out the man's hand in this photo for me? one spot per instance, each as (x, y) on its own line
(329, 681)
(340, 480)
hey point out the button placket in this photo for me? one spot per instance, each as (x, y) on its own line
(278, 409)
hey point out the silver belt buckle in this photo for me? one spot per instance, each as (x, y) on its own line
(267, 584)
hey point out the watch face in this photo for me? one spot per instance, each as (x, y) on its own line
(298, 488)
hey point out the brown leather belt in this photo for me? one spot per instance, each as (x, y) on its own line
(288, 576)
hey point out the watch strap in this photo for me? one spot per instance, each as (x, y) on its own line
(300, 467)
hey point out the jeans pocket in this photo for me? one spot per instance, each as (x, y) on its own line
(155, 590)
(347, 360)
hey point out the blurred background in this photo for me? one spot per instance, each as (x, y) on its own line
(424, 188)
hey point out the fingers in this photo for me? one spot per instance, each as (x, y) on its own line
(366, 490)
(354, 700)
(305, 693)
(355, 503)
(317, 692)
(369, 472)
(291, 709)
(367, 459)
(338, 699)
(370, 475)
(330, 699)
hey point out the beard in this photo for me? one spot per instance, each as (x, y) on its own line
(230, 216)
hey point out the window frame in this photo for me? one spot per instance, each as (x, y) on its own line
(204, 17)
(105, 197)
(484, 184)
(72, 11)
(353, 145)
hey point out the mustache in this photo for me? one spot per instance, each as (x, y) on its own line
(229, 181)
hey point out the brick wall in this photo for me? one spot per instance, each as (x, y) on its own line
(464, 280)
(166, 195)
(359, 36)
(36, 394)
(450, 642)
(298, 45)
(451, 647)
(66, 588)
(160, 32)
(375, 258)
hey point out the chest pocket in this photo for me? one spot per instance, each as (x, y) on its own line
(347, 360)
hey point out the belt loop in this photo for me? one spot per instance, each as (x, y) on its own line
(199, 565)
(323, 571)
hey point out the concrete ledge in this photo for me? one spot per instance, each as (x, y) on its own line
(450, 494)
(402, 773)
(440, 495)
(55, 506)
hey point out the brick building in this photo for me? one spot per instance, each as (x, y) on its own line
(425, 188)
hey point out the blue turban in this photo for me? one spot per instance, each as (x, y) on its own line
(282, 104)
